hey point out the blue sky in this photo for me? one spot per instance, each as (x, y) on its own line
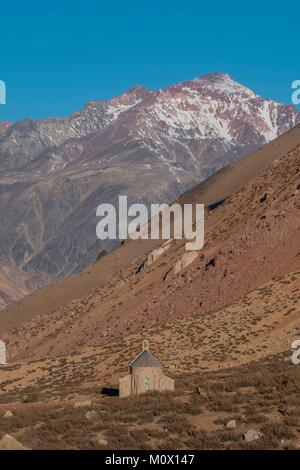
(56, 55)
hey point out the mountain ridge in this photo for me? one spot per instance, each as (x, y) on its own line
(144, 283)
(150, 145)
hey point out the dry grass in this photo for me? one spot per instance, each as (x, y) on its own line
(263, 396)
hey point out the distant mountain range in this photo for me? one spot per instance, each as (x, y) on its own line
(235, 301)
(150, 145)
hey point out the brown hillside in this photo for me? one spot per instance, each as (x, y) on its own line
(234, 363)
(252, 237)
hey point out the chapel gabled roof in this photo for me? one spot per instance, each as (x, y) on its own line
(145, 358)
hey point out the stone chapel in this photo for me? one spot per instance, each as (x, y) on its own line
(145, 373)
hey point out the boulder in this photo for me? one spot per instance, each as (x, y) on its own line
(231, 424)
(252, 435)
(187, 259)
(8, 442)
(158, 252)
(8, 414)
(91, 415)
(102, 442)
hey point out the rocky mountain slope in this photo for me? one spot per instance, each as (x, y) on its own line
(150, 145)
(4, 125)
(224, 364)
(252, 238)
(221, 321)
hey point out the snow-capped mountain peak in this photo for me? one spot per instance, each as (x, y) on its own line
(211, 107)
(193, 120)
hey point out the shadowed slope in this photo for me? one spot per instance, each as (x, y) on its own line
(250, 238)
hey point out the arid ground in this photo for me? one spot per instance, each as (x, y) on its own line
(221, 321)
